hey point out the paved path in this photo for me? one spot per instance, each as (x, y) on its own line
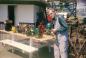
(5, 54)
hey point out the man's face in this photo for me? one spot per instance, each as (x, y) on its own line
(51, 12)
(54, 13)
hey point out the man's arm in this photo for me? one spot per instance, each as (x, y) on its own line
(63, 24)
(60, 24)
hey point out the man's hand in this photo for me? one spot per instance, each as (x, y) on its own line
(53, 31)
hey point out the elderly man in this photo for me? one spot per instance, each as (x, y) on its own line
(60, 30)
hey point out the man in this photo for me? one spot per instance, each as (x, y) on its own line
(60, 30)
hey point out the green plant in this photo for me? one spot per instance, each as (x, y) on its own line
(8, 25)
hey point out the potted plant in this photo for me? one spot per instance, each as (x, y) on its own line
(8, 25)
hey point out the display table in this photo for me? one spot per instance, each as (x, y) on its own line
(34, 41)
(25, 43)
(43, 39)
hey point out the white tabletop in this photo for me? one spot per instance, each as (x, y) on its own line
(19, 45)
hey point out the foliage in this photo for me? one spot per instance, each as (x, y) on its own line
(8, 25)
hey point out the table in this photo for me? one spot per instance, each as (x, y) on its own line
(43, 39)
(41, 42)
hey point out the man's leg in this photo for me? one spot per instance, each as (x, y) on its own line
(56, 51)
(63, 49)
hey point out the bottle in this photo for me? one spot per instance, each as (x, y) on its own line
(13, 29)
(41, 29)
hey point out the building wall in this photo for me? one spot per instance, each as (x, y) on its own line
(81, 8)
(36, 10)
(3, 12)
(25, 14)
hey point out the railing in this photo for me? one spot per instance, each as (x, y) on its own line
(77, 43)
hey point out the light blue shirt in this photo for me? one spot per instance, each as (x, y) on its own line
(61, 27)
(60, 24)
